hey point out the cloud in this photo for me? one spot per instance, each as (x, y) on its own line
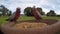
(46, 5)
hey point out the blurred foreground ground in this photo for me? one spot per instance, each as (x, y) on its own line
(3, 19)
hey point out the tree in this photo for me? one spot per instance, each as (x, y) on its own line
(51, 13)
(9, 13)
(29, 11)
(4, 10)
(40, 10)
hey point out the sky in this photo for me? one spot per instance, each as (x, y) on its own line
(46, 5)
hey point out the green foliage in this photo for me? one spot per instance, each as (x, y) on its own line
(58, 15)
(41, 11)
(9, 13)
(51, 13)
(4, 10)
(28, 11)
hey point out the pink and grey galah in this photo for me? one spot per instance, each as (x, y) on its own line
(36, 13)
(15, 15)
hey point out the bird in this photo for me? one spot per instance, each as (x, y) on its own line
(36, 13)
(14, 16)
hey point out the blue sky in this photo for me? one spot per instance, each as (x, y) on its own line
(46, 5)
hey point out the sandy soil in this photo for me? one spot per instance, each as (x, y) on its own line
(29, 25)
